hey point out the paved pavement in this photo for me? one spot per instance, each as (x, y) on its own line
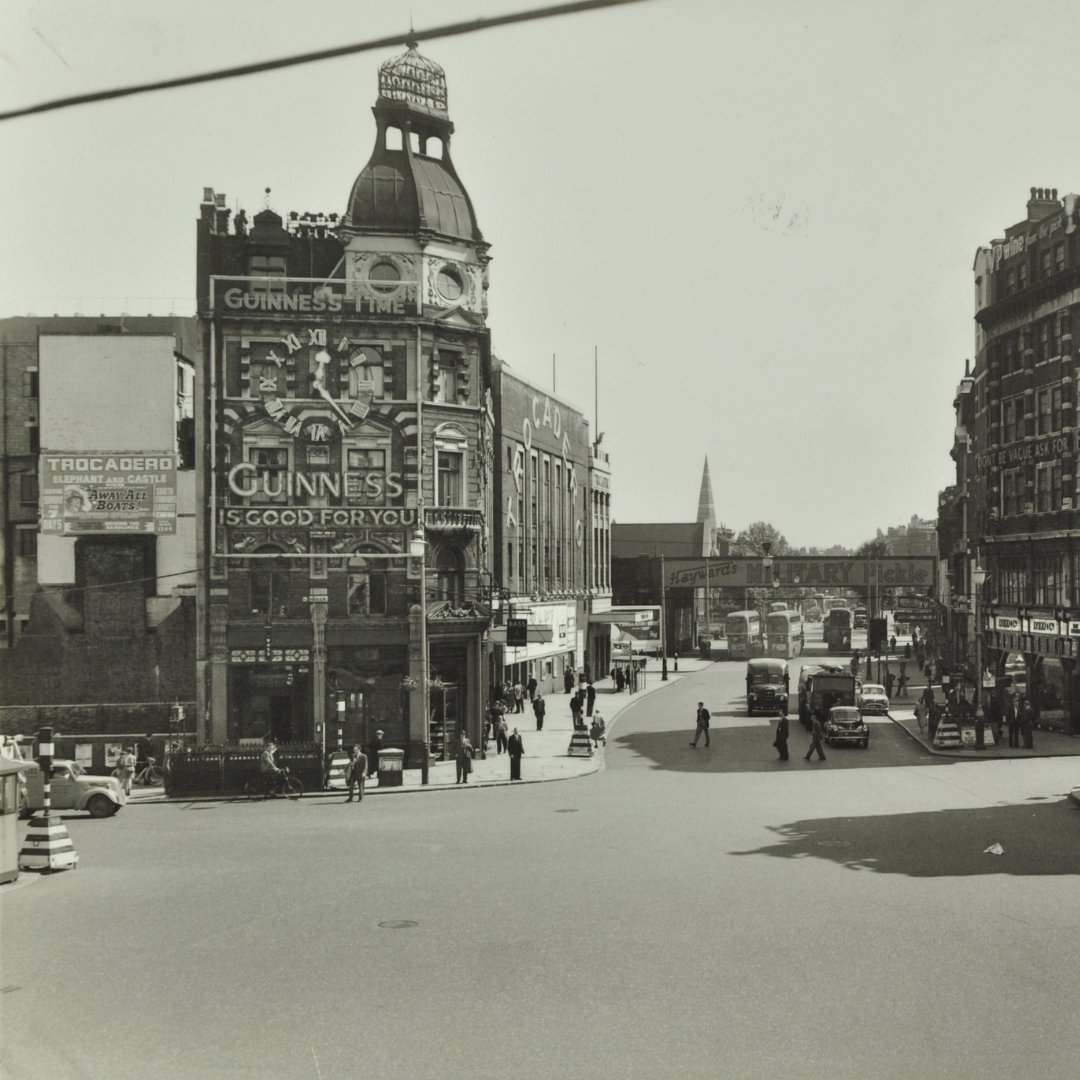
(546, 752)
(547, 757)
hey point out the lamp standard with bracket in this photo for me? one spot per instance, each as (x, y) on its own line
(767, 575)
(978, 579)
(418, 550)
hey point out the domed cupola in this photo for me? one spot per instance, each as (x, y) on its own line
(409, 184)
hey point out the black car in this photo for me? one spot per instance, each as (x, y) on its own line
(846, 725)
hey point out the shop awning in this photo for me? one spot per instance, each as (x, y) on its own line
(538, 635)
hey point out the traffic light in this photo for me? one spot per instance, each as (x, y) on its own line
(877, 635)
(517, 631)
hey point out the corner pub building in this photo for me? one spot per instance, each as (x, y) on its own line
(348, 404)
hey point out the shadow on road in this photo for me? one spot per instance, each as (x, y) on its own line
(748, 748)
(941, 843)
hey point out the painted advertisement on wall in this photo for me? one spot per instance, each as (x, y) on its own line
(108, 492)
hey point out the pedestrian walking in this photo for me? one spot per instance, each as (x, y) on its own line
(355, 772)
(817, 733)
(575, 711)
(590, 699)
(463, 758)
(702, 726)
(500, 733)
(519, 698)
(1012, 720)
(889, 680)
(620, 680)
(530, 686)
(902, 681)
(907, 650)
(516, 750)
(125, 769)
(374, 747)
(539, 711)
(597, 731)
(892, 644)
(568, 680)
(780, 742)
(855, 662)
(1027, 725)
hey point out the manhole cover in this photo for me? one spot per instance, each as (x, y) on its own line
(398, 924)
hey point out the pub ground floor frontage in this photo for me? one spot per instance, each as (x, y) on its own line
(336, 683)
(1035, 653)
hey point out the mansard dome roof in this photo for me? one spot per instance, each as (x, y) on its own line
(409, 184)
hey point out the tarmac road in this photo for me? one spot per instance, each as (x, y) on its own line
(680, 913)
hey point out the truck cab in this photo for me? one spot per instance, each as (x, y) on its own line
(767, 684)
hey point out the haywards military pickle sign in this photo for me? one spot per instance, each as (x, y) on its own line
(108, 492)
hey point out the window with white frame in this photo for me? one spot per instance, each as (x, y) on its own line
(447, 387)
(450, 463)
(366, 585)
(1012, 491)
(1047, 410)
(366, 373)
(365, 474)
(272, 461)
(1011, 413)
(1048, 487)
(270, 270)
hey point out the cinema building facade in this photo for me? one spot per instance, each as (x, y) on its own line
(348, 405)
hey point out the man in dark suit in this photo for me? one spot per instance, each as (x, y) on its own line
(373, 754)
(516, 748)
(355, 772)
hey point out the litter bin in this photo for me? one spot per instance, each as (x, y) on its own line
(391, 765)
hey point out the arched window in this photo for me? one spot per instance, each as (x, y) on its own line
(365, 369)
(366, 584)
(450, 576)
(269, 580)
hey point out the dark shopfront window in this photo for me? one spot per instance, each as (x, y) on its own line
(270, 699)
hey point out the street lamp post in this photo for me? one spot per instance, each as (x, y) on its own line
(978, 578)
(663, 622)
(766, 569)
(418, 550)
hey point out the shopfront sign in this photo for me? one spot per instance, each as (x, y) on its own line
(1074, 628)
(1042, 626)
(108, 492)
(1007, 622)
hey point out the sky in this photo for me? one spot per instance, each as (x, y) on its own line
(760, 219)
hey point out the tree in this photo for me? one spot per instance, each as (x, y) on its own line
(752, 540)
(878, 548)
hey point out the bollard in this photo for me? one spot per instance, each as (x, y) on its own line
(48, 845)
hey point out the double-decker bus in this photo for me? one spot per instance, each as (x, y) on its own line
(838, 622)
(743, 632)
(784, 630)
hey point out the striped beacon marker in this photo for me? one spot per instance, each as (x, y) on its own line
(47, 846)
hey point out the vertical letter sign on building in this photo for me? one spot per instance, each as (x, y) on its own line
(517, 631)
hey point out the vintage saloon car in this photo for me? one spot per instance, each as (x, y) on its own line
(872, 698)
(72, 788)
(846, 725)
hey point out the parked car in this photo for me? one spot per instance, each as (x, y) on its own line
(71, 787)
(872, 698)
(846, 725)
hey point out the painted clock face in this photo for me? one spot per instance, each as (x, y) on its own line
(275, 368)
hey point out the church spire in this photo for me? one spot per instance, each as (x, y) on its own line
(706, 511)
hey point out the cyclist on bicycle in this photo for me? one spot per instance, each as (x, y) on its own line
(271, 773)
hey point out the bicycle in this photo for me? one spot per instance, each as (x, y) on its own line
(271, 785)
(151, 774)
